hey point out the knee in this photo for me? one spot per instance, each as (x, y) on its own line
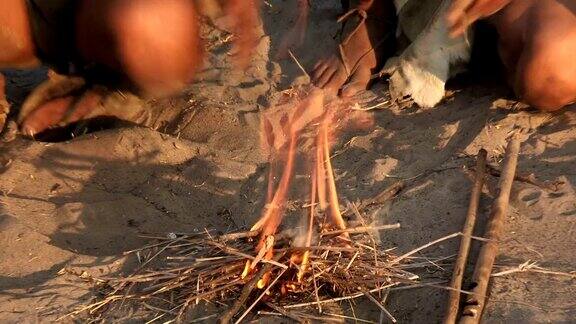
(546, 94)
(17, 48)
(155, 43)
(546, 79)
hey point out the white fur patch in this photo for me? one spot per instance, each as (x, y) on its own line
(422, 70)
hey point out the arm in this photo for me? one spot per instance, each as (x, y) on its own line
(464, 13)
(295, 37)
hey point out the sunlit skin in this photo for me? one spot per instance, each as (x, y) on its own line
(537, 39)
(537, 42)
(362, 51)
(128, 38)
(103, 31)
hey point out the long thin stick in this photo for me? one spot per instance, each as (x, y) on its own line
(333, 300)
(286, 313)
(382, 308)
(362, 229)
(248, 288)
(475, 303)
(385, 195)
(425, 246)
(306, 255)
(299, 65)
(335, 214)
(264, 293)
(320, 173)
(460, 266)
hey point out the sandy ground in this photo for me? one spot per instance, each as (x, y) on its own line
(68, 210)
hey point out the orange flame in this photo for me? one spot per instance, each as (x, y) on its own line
(310, 125)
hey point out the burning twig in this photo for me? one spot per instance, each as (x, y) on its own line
(203, 267)
(335, 214)
(310, 267)
(309, 232)
(460, 266)
(248, 288)
(266, 291)
(475, 303)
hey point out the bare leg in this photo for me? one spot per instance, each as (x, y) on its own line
(537, 45)
(17, 46)
(154, 43)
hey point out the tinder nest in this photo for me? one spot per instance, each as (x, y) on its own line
(179, 272)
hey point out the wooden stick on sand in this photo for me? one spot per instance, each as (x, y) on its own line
(475, 303)
(460, 266)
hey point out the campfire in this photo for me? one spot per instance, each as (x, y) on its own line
(305, 124)
(295, 271)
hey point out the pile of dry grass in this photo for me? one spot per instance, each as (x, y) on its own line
(181, 271)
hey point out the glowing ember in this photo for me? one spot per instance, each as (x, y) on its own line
(304, 124)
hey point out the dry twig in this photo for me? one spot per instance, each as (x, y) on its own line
(475, 302)
(460, 265)
(181, 270)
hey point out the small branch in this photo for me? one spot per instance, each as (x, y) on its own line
(529, 266)
(470, 222)
(233, 251)
(286, 313)
(383, 313)
(442, 239)
(361, 229)
(248, 288)
(333, 300)
(529, 179)
(475, 303)
(316, 292)
(382, 308)
(385, 195)
(299, 65)
(318, 248)
(237, 236)
(266, 291)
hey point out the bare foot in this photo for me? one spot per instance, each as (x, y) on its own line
(367, 40)
(56, 103)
